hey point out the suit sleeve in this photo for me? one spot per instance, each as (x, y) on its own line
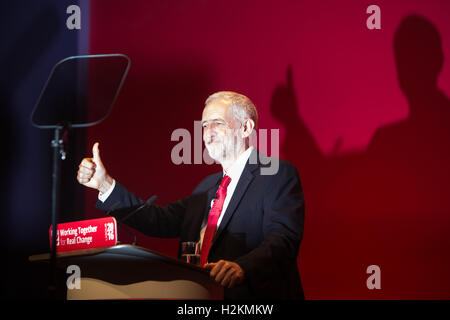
(154, 221)
(284, 211)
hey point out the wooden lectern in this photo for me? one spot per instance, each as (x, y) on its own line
(132, 272)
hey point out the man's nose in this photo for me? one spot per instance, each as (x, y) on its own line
(209, 135)
(209, 130)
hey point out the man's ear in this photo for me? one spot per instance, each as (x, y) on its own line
(247, 128)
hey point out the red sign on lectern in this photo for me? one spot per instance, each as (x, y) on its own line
(85, 234)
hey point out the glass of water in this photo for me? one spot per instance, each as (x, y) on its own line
(190, 252)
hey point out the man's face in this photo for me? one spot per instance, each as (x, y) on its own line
(221, 131)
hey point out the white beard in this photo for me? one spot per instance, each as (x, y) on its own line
(226, 149)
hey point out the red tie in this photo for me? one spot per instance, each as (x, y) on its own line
(212, 219)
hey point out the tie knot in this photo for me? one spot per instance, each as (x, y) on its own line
(225, 182)
(222, 191)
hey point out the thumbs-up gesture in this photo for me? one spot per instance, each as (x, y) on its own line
(92, 172)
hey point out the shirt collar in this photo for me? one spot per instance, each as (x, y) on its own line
(235, 171)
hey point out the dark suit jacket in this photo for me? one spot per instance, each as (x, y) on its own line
(261, 229)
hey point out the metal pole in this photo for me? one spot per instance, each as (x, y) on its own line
(56, 145)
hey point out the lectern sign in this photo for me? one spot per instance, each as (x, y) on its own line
(85, 234)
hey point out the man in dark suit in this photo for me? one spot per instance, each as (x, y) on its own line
(248, 218)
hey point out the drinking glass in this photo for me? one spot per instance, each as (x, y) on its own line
(190, 252)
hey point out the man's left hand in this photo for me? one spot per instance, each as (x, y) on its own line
(226, 273)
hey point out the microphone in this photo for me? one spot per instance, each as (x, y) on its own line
(121, 221)
(120, 224)
(113, 207)
(144, 205)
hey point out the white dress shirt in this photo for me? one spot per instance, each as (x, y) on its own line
(234, 172)
(103, 196)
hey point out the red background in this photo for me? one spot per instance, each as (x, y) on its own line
(373, 163)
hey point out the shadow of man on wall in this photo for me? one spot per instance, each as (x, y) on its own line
(410, 164)
(386, 205)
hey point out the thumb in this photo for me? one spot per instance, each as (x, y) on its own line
(96, 153)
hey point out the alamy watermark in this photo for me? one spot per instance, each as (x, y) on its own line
(190, 150)
(373, 22)
(73, 21)
(374, 280)
(74, 278)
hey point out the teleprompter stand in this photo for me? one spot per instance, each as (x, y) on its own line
(80, 92)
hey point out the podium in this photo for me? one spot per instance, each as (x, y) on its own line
(132, 272)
